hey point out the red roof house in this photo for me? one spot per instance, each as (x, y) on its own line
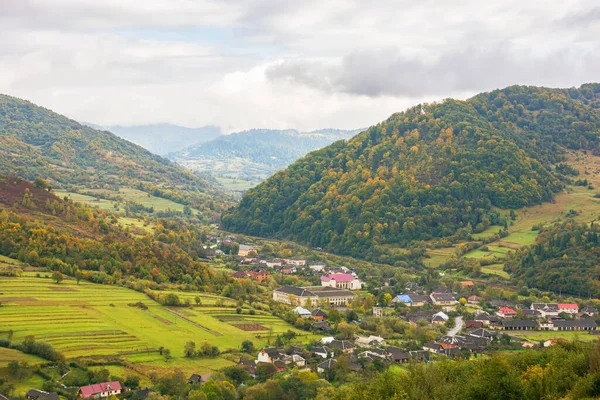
(99, 390)
(570, 308)
(506, 312)
(344, 281)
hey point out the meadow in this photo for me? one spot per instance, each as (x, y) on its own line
(91, 320)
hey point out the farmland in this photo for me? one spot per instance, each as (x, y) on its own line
(91, 320)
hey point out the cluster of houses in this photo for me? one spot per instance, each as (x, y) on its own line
(438, 297)
(360, 352)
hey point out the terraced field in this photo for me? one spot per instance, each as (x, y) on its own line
(84, 320)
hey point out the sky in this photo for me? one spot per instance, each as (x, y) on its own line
(287, 63)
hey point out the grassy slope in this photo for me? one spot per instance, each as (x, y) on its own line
(578, 198)
(94, 320)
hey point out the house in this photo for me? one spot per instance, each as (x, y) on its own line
(470, 324)
(371, 341)
(590, 310)
(272, 263)
(35, 394)
(323, 352)
(402, 298)
(374, 353)
(327, 340)
(483, 318)
(528, 345)
(326, 365)
(298, 360)
(342, 281)
(240, 275)
(501, 303)
(483, 333)
(202, 379)
(443, 299)
(506, 312)
(298, 262)
(433, 347)
(318, 315)
(99, 390)
(520, 325)
(299, 296)
(396, 354)
(302, 312)
(587, 324)
(259, 275)
(343, 345)
(269, 355)
(414, 317)
(439, 318)
(317, 266)
(322, 326)
(473, 300)
(546, 309)
(245, 250)
(569, 308)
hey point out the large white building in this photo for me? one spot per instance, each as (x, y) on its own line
(298, 296)
(342, 281)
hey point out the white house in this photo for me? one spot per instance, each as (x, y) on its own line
(327, 340)
(302, 312)
(342, 281)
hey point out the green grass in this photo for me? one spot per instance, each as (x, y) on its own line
(95, 320)
(491, 230)
(545, 335)
(495, 269)
(87, 200)
(8, 355)
(7, 260)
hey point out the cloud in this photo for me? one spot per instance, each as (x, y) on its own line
(285, 64)
(390, 72)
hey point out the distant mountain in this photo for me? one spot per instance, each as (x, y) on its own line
(162, 139)
(433, 172)
(36, 142)
(258, 152)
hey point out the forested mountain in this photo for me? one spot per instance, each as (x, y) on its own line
(432, 171)
(564, 259)
(36, 142)
(162, 139)
(261, 151)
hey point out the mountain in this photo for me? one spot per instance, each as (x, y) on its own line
(162, 138)
(435, 171)
(255, 154)
(36, 142)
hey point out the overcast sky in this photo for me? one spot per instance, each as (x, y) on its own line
(284, 64)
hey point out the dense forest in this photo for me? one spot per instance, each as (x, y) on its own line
(429, 172)
(564, 259)
(37, 142)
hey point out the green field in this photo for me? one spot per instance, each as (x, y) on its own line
(495, 269)
(87, 200)
(88, 320)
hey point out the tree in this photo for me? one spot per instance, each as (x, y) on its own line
(334, 316)
(189, 349)
(198, 300)
(247, 346)
(386, 300)
(57, 277)
(40, 183)
(132, 382)
(264, 371)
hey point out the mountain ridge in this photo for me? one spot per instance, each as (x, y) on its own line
(435, 171)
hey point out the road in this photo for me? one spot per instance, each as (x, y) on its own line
(457, 327)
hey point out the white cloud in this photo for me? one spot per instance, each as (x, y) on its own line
(286, 64)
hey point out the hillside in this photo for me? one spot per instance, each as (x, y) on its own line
(162, 139)
(434, 171)
(254, 155)
(564, 259)
(37, 142)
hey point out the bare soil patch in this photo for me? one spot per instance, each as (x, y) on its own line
(251, 327)
(17, 299)
(62, 289)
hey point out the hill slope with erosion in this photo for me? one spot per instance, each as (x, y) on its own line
(435, 171)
